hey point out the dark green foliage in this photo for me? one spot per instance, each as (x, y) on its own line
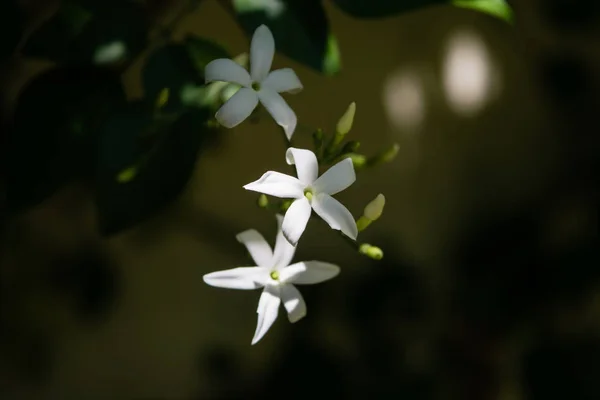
(177, 67)
(382, 8)
(300, 28)
(55, 131)
(82, 31)
(144, 162)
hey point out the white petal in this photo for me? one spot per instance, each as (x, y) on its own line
(283, 80)
(257, 246)
(268, 308)
(293, 303)
(308, 272)
(335, 214)
(295, 220)
(307, 167)
(226, 70)
(262, 50)
(238, 108)
(284, 251)
(244, 278)
(279, 110)
(278, 185)
(336, 178)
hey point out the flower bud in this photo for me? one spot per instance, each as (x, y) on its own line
(373, 252)
(374, 209)
(358, 160)
(345, 123)
(263, 201)
(351, 147)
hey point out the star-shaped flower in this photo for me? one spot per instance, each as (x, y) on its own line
(310, 192)
(258, 85)
(275, 275)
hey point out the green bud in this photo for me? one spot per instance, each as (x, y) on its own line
(374, 209)
(362, 223)
(345, 123)
(358, 160)
(285, 205)
(373, 252)
(318, 140)
(390, 153)
(351, 147)
(263, 201)
(127, 175)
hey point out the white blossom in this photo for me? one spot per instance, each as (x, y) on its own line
(274, 273)
(258, 85)
(310, 192)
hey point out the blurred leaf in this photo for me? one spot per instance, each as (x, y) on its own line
(496, 8)
(86, 31)
(180, 69)
(382, 8)
(144, 163)
(11, 21)
(55, 131)
(300, 28)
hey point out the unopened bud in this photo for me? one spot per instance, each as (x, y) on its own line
(385, 156)
(285, 205)
(263, 201)
(318, 140)
(162, 99)
(351, 147)
(358, 160)
(374, 209)
(373, 252)
(345, 123)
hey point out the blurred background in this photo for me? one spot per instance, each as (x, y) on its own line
(489, 287)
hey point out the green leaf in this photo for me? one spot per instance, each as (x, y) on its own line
(179, 68)
(84, 31)
(11, 21)
(383, 8)
(300, 28)
(496, 8)
(55, 130)
(145, 163)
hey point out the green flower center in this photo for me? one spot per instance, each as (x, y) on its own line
(308, 194)
(256, 86)
(275, 275)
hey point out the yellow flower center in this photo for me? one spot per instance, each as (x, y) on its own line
(275, 275)
(308, 194)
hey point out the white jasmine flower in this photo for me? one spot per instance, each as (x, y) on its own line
(258, 85)
(275, 275)
(310, 193)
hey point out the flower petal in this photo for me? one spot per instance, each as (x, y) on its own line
(293, 303)
(257, 246)
(278, 185)
(244, 278)
(308, 272)
(279, 110)
(295, 220)
(226, 70)
(306, 163)
(238, 108)
(268, 308)
(283, 80)
(262, 50)
(284, 251)
(336, 178)
(335, 214)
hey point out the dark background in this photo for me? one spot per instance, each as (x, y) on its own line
(489, 286)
